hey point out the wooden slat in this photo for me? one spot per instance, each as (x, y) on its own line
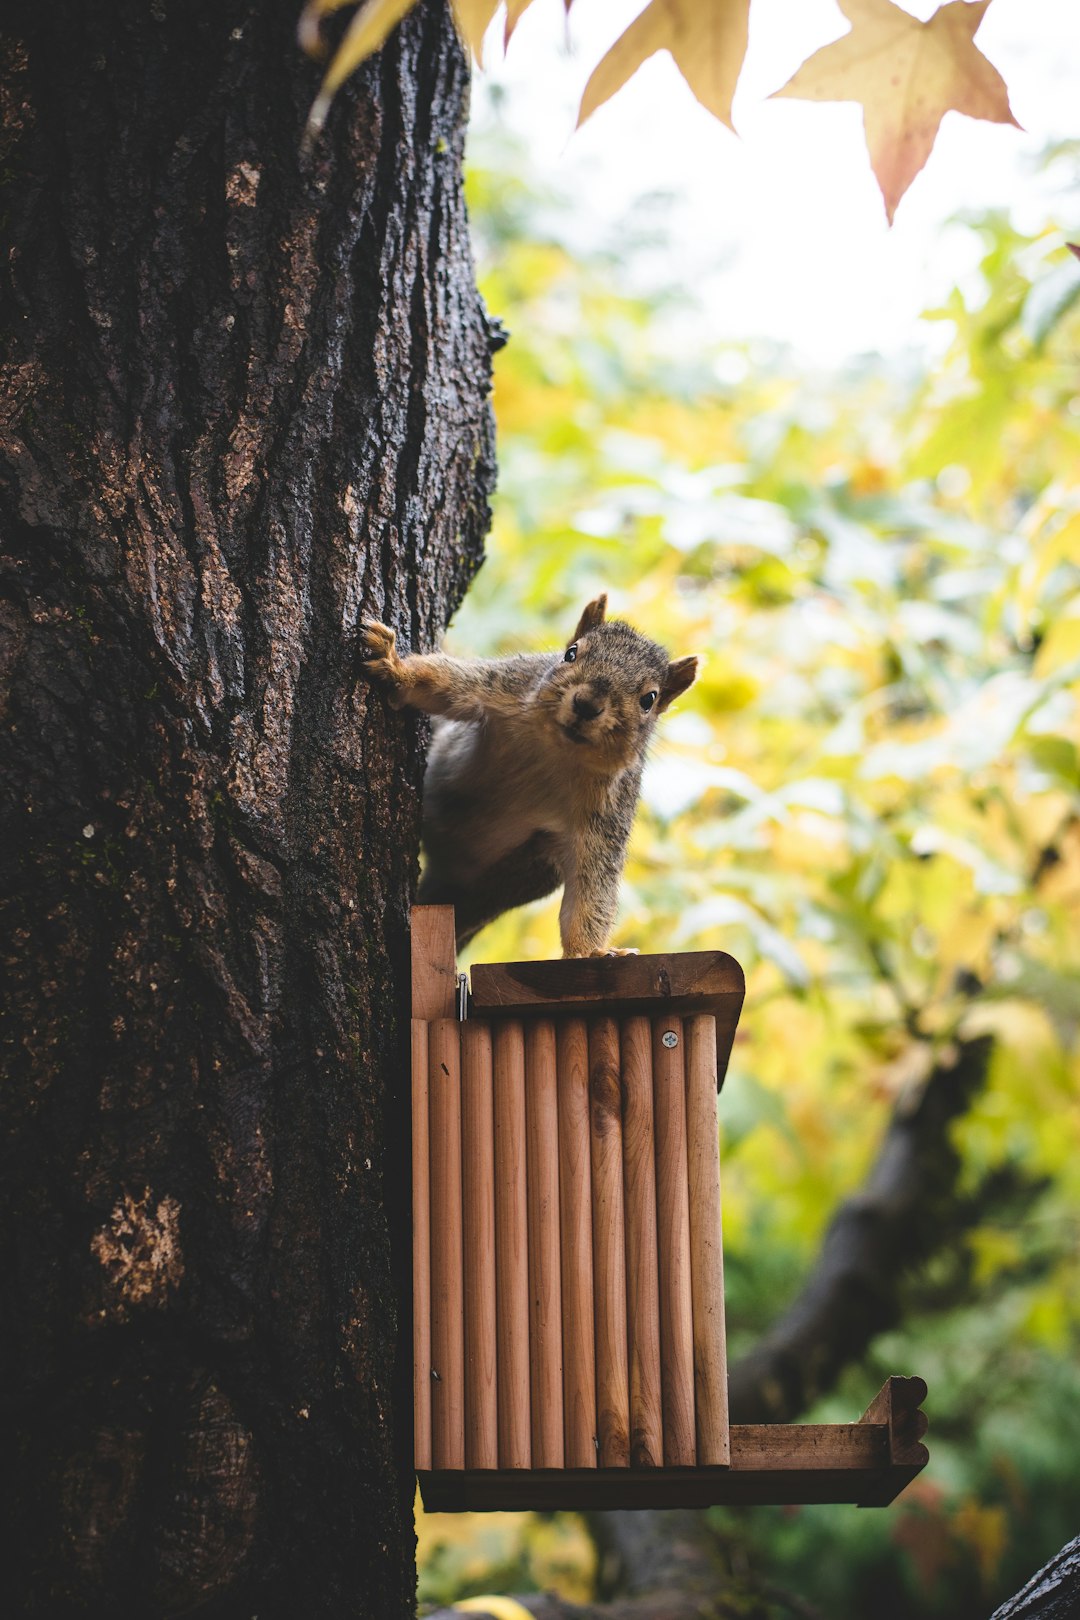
(786, 1447)
(545, 1290)
(706, 1249)
(897, 1406)
(447, 1304)
(642, 1280)
(433, 978)
(673, 1231)
(511, 1248)
(770, 1462)
(575, 1201)
(421, 1248)
(615, 1488)
(434, 962)
(665, 982)
(478, 1203)
(609, 1252)
(692, 982)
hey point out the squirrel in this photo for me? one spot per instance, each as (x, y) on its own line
(534, 770)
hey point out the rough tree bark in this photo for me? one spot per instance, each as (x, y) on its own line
(243, 404)
(1053, 1593)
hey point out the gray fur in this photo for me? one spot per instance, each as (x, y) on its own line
(534, 770)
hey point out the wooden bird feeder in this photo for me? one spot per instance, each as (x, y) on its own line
(568, 1286)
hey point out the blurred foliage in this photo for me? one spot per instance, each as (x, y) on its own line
(871, 797)
(468, 1554)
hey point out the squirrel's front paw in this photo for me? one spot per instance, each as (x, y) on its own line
(616, 950)
(378, 644)
(378, 652)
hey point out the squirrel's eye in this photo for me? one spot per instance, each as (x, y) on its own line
(571, 654)
(648, 700)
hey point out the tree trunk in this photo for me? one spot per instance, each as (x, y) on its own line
(1053, 1593)
(244, 405)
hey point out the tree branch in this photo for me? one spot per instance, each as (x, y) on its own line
(896, 1220)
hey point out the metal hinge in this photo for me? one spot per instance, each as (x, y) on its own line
(462, 996)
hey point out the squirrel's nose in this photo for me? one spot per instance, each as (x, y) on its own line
(584, 708)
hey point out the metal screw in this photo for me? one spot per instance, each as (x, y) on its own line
(669, 1038)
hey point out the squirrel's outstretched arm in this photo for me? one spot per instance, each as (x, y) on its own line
(462, 688)
(592, 865)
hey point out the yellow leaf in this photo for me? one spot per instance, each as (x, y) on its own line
(967, 941)
(707, 38)
(907, 74)
(1062, 644)
(473, 18)
(1052, 529)
(992, 1251)
(501, 1608)
(365, 34)
(986, 1530)
(1048, 1322)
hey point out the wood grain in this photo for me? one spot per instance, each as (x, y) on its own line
(706, 1246)
(609, 1248)
(421, 1248)
(434, 962)
(897, 1406)
(511, 1248)
(642, 1276)
(770, 1463)
(447, 1302)
(545, 1288)
(691, 981)
(575, 1203)
(478, 1205)
(673, 1232)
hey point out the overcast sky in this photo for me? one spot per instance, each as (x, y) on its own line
(783, 230)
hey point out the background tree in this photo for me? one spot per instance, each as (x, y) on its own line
(243, 404)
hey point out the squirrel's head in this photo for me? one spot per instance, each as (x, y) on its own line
(607, 690)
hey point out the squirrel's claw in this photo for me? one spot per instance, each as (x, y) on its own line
(378, 650)
(616, 950)
(379, 658)
(377, 641)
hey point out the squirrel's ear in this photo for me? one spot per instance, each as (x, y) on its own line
(679, 676)
(592, 616)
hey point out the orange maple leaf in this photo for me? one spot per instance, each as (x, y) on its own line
(907, 74)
